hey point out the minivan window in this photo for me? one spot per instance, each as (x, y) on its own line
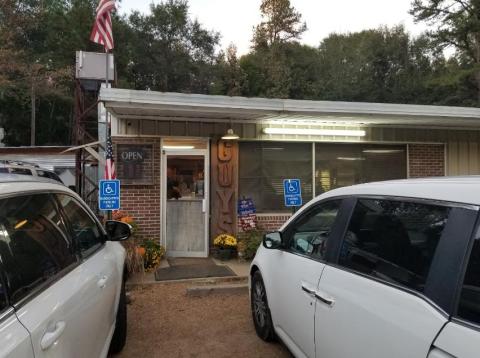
(393, 240)
(34, 246)
(469, 306)
(309, 235)
(85, 231)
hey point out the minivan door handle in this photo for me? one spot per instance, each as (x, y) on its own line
(308, 290)
(50, 338)
(102, 282)
(328, 301)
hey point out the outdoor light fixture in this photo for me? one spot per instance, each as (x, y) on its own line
(230, 135)
(382, 151)
(179, 147)
(308, 131)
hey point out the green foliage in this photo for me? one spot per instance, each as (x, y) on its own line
(251, 241)
(153, 253)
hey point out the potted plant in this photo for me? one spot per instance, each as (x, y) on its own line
(225, 246)
(152, 254)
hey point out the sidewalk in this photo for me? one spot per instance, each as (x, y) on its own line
(240, 267)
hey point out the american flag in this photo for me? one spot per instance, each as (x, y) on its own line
(109, 162)
(102, 28)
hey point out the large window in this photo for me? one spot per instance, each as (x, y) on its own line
(34, 246)
(393, 240)
(469, 307)
(338, 165)
(264, 166)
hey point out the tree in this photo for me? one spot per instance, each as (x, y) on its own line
(231, 79)
(281, 23)
(458, 25)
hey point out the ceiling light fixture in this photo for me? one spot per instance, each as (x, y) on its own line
(178, 147)
(350, 158)
(307, 131)
(382, 151)
(230, 135)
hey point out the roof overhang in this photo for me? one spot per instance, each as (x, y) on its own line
(132, 104)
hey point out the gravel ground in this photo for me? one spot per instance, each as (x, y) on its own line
(164, 322)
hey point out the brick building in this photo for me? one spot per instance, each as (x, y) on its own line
(182, 181)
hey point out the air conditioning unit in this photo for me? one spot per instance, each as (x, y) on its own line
(93, 66)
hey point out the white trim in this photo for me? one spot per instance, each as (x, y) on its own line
(314, 184)
(408, 160)
(132, 98)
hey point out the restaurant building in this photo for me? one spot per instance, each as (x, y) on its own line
(181, 181)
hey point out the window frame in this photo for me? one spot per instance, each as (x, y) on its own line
(83, 256)
(455, 318)
(6, 298)
(51, 280)
(434, 278)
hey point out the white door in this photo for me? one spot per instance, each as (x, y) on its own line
(185, 202)
(14, 338)
(372, 303)
(296, 274)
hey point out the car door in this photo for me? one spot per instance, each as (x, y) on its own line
(45, 281)
(14, 338)
(390, 292)
(101, 273)
(294, 278)
(461, 337)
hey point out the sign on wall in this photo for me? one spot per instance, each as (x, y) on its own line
(292, 192)
(135, 163)
(247, 217)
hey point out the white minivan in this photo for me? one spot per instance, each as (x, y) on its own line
(62, 291)
(388, 269)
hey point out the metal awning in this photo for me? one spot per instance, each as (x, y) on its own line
(132, 104)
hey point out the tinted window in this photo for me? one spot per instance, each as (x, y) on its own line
(264, 165)
(393, 240)
(85, 231)
(22, 171)
(33, 243)
(469, 307)
(49, 175)
(3, 294)
(309, 235)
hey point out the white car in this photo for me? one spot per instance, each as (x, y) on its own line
(388, 269)
(62, 291)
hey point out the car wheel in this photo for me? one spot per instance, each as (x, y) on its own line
(120, 334)
(262, 318)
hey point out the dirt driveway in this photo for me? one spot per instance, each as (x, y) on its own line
(164, 322)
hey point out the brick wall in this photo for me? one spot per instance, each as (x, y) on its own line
(142, 202)
(271, 222)
(426, 160)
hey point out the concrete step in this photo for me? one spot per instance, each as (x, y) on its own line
(205, 290)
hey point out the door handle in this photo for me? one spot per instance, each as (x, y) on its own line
(102, 282)
(328, 301)
(308, 290)
(49, 338)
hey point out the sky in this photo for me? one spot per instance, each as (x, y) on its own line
(235, 19)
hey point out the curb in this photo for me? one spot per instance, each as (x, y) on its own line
(198, 281)
(202, 291)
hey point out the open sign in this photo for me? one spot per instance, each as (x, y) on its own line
(132, 155)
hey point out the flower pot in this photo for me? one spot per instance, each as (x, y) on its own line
(224, 254)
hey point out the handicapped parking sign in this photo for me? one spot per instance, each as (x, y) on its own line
(292, 192)
(109, 195)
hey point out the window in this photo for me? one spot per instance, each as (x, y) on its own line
(34, 246)
(469, 306)
(49, 175)
(309, 235)
(264, 165)
(86, 233)
(3, 294)
(393, 240)
(338, 165)
(22, 171)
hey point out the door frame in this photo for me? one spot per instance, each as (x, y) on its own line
(206, 201)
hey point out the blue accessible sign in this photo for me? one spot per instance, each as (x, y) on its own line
(292, 192)
(109, 195)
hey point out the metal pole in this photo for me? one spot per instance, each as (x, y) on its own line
(107, 122)
(32, 123)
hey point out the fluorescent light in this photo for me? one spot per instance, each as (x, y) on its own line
(20, 224)
(350, 158)
(230, 135)
(179, 147)
(382, 151)
(305, 131)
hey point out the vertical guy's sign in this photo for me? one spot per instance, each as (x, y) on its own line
(292, 192)
(109, 195)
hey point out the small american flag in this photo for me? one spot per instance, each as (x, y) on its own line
(109, 162)
(102, 28)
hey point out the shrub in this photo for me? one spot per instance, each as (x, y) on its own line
(153, 254)
(251, 240)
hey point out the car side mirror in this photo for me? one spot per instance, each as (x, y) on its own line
(117, 230)
(272, 240)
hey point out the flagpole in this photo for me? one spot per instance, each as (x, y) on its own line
(107, 121)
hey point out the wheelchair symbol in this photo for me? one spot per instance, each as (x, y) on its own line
(109, 189)
(292, 188)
